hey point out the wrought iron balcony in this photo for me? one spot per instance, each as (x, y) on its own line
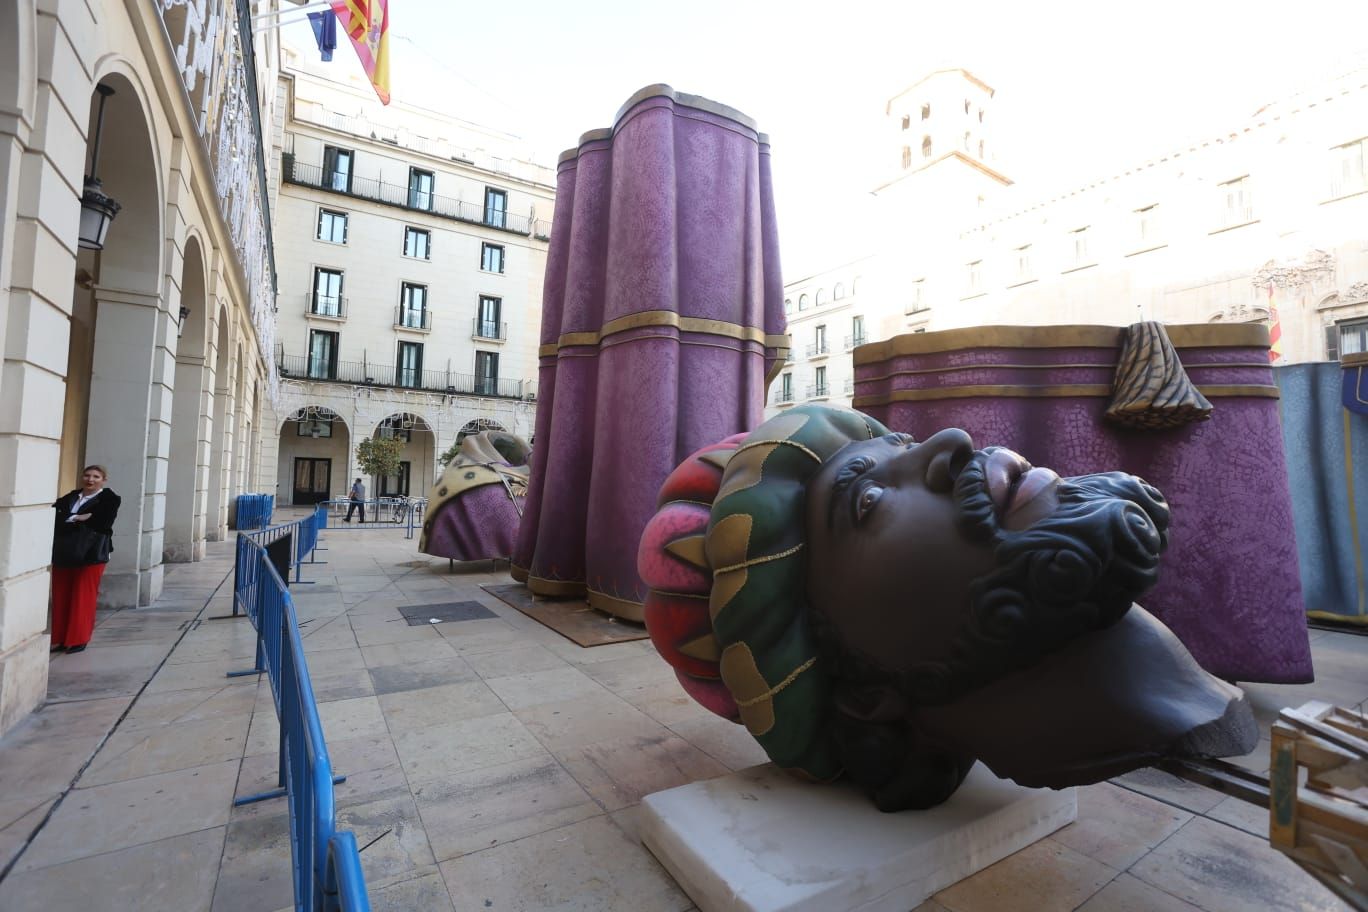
(418, 319)
(488, 330)
(371, 373)
(327, 307)
(404, 197)
(818, 391)
(850, 387)
(855, 341)
(817, 349)
(782, 395)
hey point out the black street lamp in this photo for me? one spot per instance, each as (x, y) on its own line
(97, 208)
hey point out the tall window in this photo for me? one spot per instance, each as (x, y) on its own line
(788, 305)
(337, 168)
(420, 189)
(907, 157)
(1353, 337)
(409, 365)
(1147, 225)
(1238, 206)
(803, 302)
(926, 147)
(786, 387)
(857, 331)
(491, 257)
(487, 323)
(917, 300)
(819, 345)
(1079, 237)
(327, 293)
(332, 226)
(413, 306)
(1348, 174)
(496, 207)
(820, 381)
(487, 373)
(973, 277)
(322, 355)
(1023, 263)
(417, 243)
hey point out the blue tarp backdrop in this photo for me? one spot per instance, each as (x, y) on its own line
(1327, 468)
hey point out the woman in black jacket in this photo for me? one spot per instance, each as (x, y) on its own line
(79, 557)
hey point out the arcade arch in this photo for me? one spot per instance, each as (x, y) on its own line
(417, 460)
(118, 332)
(191, 419)
(314, 458)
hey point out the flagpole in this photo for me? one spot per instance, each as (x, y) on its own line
(275, 14)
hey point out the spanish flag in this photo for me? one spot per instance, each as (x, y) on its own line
(1274, 328)
(366, 23)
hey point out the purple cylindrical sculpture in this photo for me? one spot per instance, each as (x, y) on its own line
(662, 320)
(1230, 587)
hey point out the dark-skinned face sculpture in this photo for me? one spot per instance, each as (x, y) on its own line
(896, 610)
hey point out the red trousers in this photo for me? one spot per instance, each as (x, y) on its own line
(73, 603)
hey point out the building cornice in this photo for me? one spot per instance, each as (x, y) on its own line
(976, 165)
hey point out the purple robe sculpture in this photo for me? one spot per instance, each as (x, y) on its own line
(1204, 431)
(475, 507)
(662, 321)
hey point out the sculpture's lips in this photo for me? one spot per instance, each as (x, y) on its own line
(1029, 487)
(1013, 484)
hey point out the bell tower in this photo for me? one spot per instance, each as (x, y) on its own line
(946, 113)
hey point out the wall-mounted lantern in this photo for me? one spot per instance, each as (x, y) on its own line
(97, 208)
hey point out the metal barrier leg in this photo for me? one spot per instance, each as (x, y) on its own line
(260, 664)
(274, 793)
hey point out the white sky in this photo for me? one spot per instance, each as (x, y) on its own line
(1082, 87)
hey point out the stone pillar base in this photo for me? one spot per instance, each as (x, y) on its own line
(23, 680)
(131, 589)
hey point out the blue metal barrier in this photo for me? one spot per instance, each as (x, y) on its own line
(381, 513)
(253, 511)
(327, 864)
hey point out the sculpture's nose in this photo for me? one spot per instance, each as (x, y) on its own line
(945, 454)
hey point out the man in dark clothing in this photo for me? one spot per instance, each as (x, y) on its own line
(358, 500)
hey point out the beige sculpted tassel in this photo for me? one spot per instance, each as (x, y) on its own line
(1151, 390)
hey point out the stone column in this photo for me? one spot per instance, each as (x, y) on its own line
(124, 433)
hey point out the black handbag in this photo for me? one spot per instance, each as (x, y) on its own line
(81, 547)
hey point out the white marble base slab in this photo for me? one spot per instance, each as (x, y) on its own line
(759, 840)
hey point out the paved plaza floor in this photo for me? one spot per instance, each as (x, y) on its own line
(493, 765)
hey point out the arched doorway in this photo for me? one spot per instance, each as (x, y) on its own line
(417, 460)
(188, 475)
(118, 333)
(314, 456)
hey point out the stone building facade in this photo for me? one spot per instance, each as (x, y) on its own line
(412, 248)
(148, 355)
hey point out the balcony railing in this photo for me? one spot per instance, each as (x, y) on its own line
(329, 307)
(489, 330)
(817, 348)
(370, 373)
(783, 395)
(401, 196)
(818, 391)
(850, 386)
(419, 319)
(855, 341)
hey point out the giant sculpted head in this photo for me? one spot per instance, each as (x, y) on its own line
(896, 610)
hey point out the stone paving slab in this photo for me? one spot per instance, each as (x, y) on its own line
(494, 762)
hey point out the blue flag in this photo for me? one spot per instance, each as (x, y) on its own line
(325, 32)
